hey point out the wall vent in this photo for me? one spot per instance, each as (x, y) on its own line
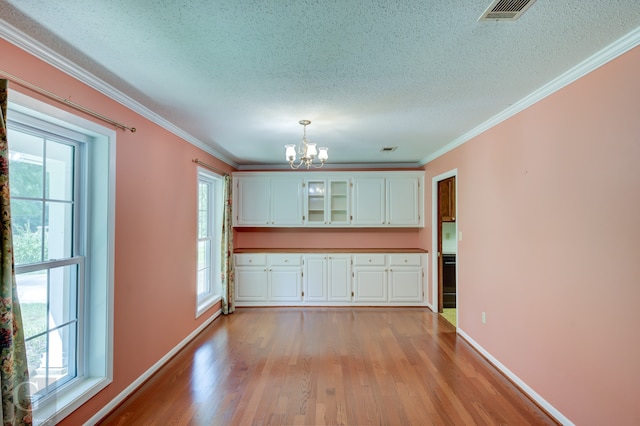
(506, 10)
(388, 148)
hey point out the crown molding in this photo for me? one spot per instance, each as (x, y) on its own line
(42, 52)
(607, 54)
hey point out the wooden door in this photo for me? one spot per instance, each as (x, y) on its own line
(446, 213)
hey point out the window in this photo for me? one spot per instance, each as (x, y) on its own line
(61, 181)
(45, 211)
(209, 239)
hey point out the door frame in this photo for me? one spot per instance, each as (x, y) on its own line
(435, 232)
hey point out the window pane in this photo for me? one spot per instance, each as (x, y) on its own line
(61, 352)
(58, 230)
(203, 209)
(62, 295)
(28, 227)
(32, 292)
(204, 256)
(25, 164)
(202, 225)
(36, 357)
(59, 171)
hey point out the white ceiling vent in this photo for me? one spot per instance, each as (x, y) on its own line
(506, 10)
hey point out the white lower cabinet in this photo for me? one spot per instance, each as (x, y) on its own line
(339, 272)
(295, 279)
(405, 278)
(369, 278)
(327, 278)
(262, 279)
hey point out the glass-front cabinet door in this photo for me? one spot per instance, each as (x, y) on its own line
(327, 202)
(316, 202)
(338, 209)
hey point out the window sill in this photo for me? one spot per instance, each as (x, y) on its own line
(67, 400)
(206, 303)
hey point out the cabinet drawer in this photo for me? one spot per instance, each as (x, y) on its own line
(251, 259)
(369, 259)
(408, 259)
(285, 260)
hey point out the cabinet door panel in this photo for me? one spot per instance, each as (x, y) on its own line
(316, 278)
(253, 202)
(368, 201)
(285, 284)
(340, 278)
(286, 202)
(402, 201)
(405, 285)
(251, 284)
(370, 284)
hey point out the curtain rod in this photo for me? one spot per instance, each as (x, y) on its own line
(210, 167)
(60, 99)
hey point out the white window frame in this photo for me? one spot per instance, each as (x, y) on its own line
(95, 327)
(215, 182)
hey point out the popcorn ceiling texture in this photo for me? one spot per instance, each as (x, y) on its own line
(238, 75)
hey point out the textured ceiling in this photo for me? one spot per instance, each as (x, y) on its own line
(238, 75)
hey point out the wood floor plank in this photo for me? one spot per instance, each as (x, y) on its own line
(328, 366)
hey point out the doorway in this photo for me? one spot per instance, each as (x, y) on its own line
(445, 247)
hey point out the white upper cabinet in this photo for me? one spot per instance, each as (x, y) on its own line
(389, 201)
(329, 199)
(264, 201)
(252, 202)
(403, 198)
(286, 202)
(368, 201)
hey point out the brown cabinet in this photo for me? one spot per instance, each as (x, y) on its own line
(447, 199)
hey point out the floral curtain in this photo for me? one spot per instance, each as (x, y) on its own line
(14, 375)
(228, 278)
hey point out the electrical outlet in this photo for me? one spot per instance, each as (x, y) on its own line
(484, 317)
(460, 236)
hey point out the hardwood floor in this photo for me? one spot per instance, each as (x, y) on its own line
(337, 366)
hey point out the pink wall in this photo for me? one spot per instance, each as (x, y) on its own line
(331, 239)
(549, 207)
(155, 253)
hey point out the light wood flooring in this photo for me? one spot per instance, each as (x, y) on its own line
(328, 366)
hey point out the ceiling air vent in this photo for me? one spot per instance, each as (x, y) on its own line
(388, 149)
(506, 10)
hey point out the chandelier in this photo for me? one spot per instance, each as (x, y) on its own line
(306, 150)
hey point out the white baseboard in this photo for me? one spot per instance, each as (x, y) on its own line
(147, 374)
(515, 379)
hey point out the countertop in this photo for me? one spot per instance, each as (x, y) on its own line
(329, 250)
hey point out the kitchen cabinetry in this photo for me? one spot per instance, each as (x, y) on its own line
(251, 278)
(329, 199)
(327, 202)
(260, 201)
(447, 199)
(391, 201)
(406, 278)
(342, 279)
(369, 278)
(267, 278)
(327, 277)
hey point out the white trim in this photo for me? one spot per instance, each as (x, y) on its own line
(150, 372)
(42, 52)
(434, 235)
(607, 54)
(515, 379)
